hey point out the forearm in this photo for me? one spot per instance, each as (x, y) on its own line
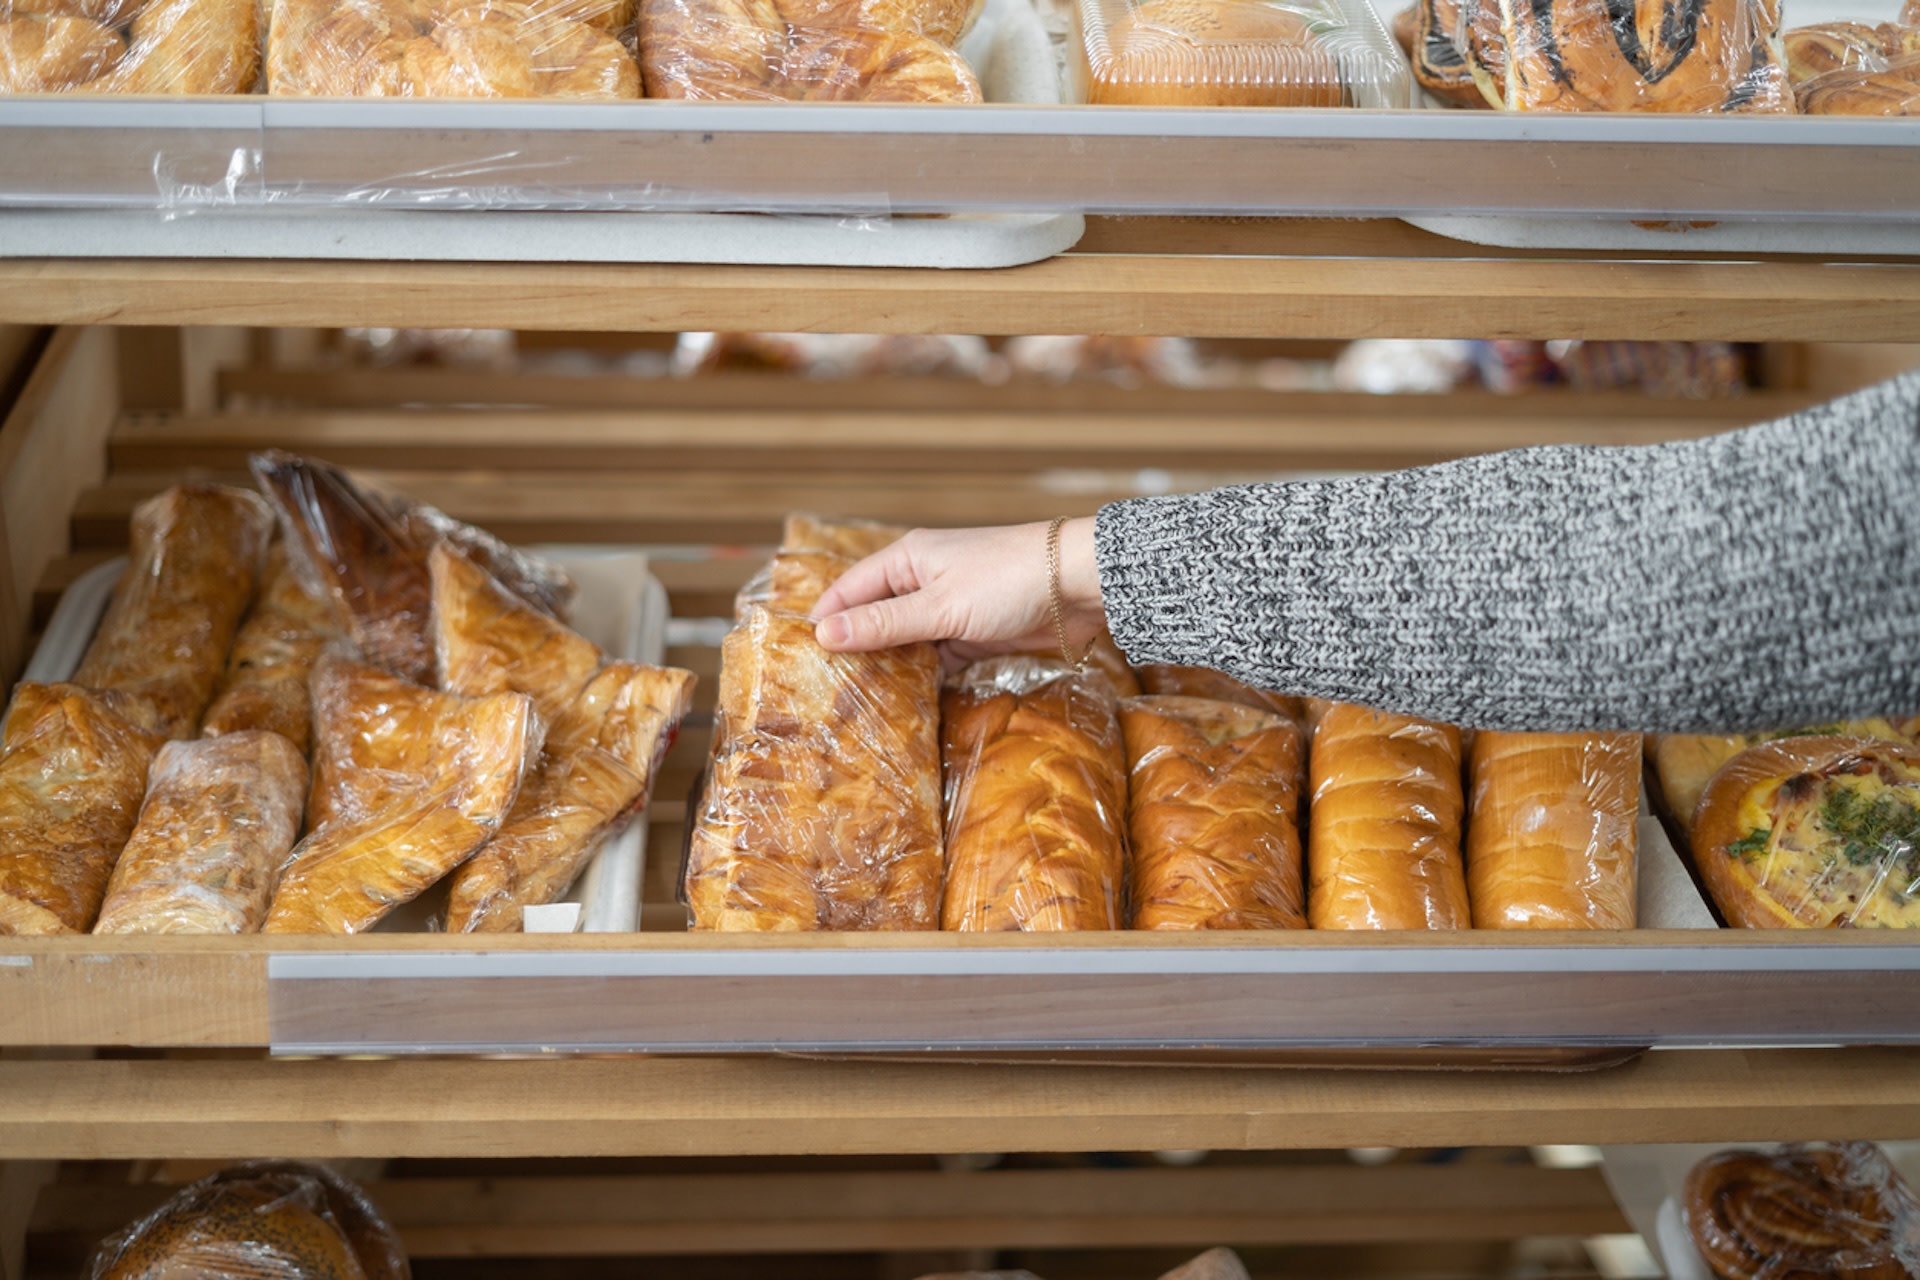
(1758, 579)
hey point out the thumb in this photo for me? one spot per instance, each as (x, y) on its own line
(880, 625)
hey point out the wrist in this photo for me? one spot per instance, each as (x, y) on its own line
(1079, 567)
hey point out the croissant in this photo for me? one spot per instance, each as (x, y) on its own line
(73, 769)
(1213, 815)
(1036, 799)
(847, 65)
(191, 46)
(1806, 1210)
(711, 49)
(1204, 682)
(265, 685)
(53, 52)
(338, 48)
(581, 61)
(1383, 836)
(467, 60)
(1211, 53)
(1551, 837)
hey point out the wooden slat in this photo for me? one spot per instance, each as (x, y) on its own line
(668, 1106)
(1078, 293)
(821, 1211)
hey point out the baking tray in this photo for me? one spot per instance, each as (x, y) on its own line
(620, 606)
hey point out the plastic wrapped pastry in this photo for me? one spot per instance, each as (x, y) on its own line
(854, 539)
(407, 784)
(1440, 63)
(1802, 1212)
(791, 582)
(191, 572)
(130, 46)
(55, 52)
(73, 768)
(1551, 835)
(1813, 833)
(1104, 658)
(1383, 835)
(265, 685)
(488, 640)
(219, 818)
(1584, 55)
(822, 802)
(598, 766)
(365, 552)
(271, 1220)
(1036, 799)
(1204, 682)
(1213, 815)
(1685, 763)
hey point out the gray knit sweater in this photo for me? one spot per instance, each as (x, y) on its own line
(1764, 578)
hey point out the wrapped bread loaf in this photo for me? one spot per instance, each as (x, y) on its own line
(265, 685)
(73, 769)
(194, 562)
(130, 46)
(1213, 815)
(1551, 834)
(1384, 824)
(1211, 53)
(1035, 797)
(1818, 832)
(1204, 682)
(407, 784)
(1812, 1210)
(218, 821)
(1685, 763)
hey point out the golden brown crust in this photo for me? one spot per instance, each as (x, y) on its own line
(196, 556)
(944, 21)
(219, 818)
(1204, 682)
(1894, 91)
(191, 46)
(1036, 799)
(338, 48)
(1213, 815)
(1210, 53)
(1831, 46)
(49, 53)
(1685, 763)
(791, 582)
(265, 684)
(849, 65)
(853, 539)
(1813, 1210)
(1440, 64)
(488, 640)
(73, 769)
(1552, 836)
(1383, 838)
(105, 13)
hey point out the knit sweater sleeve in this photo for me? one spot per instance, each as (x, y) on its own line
(1762, 578)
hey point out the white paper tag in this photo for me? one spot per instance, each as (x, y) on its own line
(555, 917)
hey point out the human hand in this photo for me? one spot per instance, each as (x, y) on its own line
(976, 592)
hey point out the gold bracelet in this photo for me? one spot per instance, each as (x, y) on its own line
(1053, 594)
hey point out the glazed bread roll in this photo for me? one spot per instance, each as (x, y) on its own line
(1383, 836)
(1552, 830)
(1816, 832)
(220, 816)
(265, 685)
(1036, 799)
(1817, 1209)
(1213, 815)
(73, 770)
(196, 556)
(1204, 682)
(1210, 53)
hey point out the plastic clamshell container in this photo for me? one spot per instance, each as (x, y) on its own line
(1237, 53)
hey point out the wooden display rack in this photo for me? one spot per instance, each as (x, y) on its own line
(102, 423)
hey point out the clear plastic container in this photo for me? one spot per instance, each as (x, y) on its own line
(1237, 53)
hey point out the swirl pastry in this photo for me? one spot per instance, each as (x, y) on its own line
(1894, 91)
(1804, 1211)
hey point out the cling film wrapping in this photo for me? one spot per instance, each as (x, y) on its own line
(1805, 1209)
(821, 809)
(1552, 830)
(195, 557)
(1205, 682)
(1684, 763)
(219, 818)
(73, 769)
(1213, 815)
(1850, 68)
(1813, 832)
(1384, 823)
(1036, 795)
(264, 1220)
(452, 49)
(130, 46)
(265, 684)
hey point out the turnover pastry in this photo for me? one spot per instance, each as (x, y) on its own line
(1213, 815)
(265, 685)
(1036, 799)
(1806, 1210)
(195, 558)
(73, 769)
(1813, 832)
(1551, 834)
(219, 818)
(408, 783)
(1383, 836)
(488, 640)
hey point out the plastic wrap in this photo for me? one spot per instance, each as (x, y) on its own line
(822, 801)
(1552, 830)
(1801, 1212)
(218, 821)
(195, 559)
(1684, 763)
(1850, 68)
(1036, 799)
(854, 539)
(365, 552)
(1383, 834)
(265, 684)
(73, 769)
(1817, 832)
(1205, 682)
(1440, 63)
(407, 784)
(488, 640)
(270, 1220)
(1213, 815)
(451, 49)
(1585, 55)
(1237, 53)
(130, 46)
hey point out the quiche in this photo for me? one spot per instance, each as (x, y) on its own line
(1814, 832)
(1685, 763)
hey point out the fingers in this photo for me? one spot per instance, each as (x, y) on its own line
(879, 625)
(868, 580)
